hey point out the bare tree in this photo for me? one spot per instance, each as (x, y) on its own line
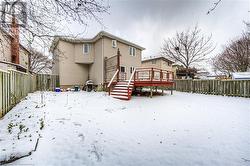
(235, 57)
(216, 3)
(39, 63)
(48, 18)
(188, 47)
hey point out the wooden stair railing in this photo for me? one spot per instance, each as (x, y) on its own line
(129, 84)
(112, 79)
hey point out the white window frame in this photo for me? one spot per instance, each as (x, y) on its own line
(132, 51)
(114, 43)
(88, 48)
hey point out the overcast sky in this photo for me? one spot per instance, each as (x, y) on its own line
(149, 22)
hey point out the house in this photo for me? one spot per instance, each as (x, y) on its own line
(241, 76)
(202, 74)
(79, 60)
(217, 76)
(159, 62)
(13, 55)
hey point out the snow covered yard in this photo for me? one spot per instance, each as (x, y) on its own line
(94, 129)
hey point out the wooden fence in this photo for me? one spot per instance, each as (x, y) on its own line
(15, 85)
(239, 88)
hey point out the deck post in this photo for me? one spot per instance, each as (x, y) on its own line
(171, 90)
(151, 92)
(161, 76)
(152, 74)
(118, 64)
(162, 91)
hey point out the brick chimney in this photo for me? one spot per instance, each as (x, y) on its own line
(15, 41)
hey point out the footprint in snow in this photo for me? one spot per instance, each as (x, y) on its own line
(96, 151)
(123, 108)
(81, 136)
(77, 124)
(109, 110)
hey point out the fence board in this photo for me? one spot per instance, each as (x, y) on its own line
(239, 88)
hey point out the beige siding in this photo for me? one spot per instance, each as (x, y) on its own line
(70, 72)
(126, 59)
(166, 66)
(56, 55)
(5, 50)
(80, 57)
(24, 58)
(96, 69)
(152, 63)
(158, 63)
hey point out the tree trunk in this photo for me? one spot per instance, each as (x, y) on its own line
(186, 73)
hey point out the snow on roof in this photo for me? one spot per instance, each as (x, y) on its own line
(156, 57)
(241, 75)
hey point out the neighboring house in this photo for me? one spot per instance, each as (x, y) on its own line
(202, 74)
(12, 53)
(79, 60)
(241, 76)
(217, 76)
(158, 62)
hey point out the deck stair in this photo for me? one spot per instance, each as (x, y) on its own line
(122, 90)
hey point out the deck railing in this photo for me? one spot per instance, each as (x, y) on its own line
(112, 80)
(153, 74)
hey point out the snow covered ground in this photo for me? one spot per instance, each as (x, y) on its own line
(80, 128)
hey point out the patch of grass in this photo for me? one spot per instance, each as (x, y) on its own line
(41, 123)
(21, 127)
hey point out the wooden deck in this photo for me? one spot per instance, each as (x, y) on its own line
(121, 87)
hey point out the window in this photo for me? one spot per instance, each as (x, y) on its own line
(132, 69)
(123, 69)
(132, 51)
(86, 48)
(153, 61)
(114, 43)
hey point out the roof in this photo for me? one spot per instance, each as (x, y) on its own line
(157, 57)
(92, 40)
(241, 75)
